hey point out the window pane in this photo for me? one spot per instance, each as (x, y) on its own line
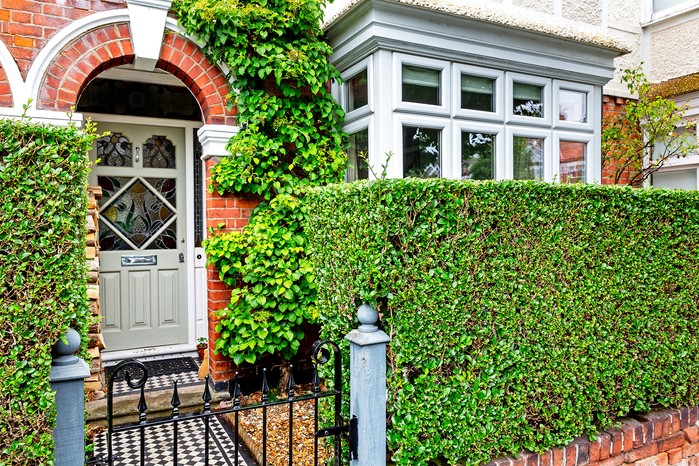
(477, 93)
(477, 156)
(675, 143)
(572, 162)
(527, 100)
(659, 5)
(358, 153)
(528, 158)
(421, 152)
(357, 91)
(681, 179)
(572, 106)
(420, 85)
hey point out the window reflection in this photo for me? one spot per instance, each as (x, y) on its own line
(421, 152)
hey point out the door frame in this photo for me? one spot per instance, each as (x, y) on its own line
(196, 264)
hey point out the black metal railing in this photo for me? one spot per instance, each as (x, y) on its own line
(320, 356)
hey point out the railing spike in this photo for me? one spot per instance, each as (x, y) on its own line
(292, 383)
(142, 407)
(265, 385)
(236, 394)
(175, 402)
(207, 395)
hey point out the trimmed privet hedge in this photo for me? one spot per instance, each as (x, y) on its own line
(521, 314)
(43, 206)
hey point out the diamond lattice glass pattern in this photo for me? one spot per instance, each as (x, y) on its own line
(110, 241)
(139, 214)
(114, 151)
(158, 152)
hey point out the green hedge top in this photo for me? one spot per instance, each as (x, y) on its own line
(43, 206)
(521, 314)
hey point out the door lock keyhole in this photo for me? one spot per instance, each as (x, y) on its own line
(181, 257)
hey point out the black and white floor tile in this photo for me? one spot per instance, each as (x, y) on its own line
(160, 382)
(159, 449)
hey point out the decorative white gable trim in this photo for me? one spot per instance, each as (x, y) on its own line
(147, 27)
(214, 139)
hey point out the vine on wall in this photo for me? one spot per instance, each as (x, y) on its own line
(290, 138)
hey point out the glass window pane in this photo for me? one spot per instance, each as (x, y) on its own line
(528, 158)
(659, 5)
(527, 100)
(680, 179)
(358, 154)
(573, 163)
(477, 156)
(572, 106)
(420, 85)
(477, 93)
(421, 152)
(357, 91)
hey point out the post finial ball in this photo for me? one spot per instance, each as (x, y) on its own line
(368, 316)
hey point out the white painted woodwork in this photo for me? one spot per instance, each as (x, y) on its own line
(146, 305)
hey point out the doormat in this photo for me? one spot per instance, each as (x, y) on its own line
(157, 368)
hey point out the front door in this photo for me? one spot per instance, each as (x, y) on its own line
(142, 231)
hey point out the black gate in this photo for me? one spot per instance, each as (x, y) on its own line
(176, 421)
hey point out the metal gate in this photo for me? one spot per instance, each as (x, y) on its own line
(176, 421)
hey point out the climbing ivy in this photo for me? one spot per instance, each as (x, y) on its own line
(290, 138)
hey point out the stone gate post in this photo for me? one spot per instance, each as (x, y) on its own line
(68, 374)
(368, 388)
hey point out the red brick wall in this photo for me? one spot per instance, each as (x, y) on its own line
(27, 25)
(612, 106)
(231, 213)
(661, 438)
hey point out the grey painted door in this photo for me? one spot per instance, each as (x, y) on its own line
(142, 227)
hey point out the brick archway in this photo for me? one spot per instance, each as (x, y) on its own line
(110, 46)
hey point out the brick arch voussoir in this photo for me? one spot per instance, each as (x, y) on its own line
(6, 99)
(185, 60)
(80, 61)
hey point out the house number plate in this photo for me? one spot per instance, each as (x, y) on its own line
(135, 261)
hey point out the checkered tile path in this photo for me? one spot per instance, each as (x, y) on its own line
(160, 382)
(158, 445)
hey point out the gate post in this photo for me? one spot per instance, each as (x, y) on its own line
(68, 374)
(368, 388)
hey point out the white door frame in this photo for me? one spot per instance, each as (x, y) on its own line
(196, 308)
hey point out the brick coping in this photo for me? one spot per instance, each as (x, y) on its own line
(660, 438)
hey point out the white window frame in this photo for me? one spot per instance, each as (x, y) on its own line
(545, 83)
(574, 87)
(498, 89)
(399, 60)
(368, 65)
(659, 15)
(569, 136)
(356, 126)
(677, 168)
(395, 169)
(518, 131)
(477, 127)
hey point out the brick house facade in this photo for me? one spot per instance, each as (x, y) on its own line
(54, 52)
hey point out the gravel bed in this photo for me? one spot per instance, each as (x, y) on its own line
(250, 427)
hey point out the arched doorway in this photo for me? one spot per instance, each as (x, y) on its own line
(150, 172)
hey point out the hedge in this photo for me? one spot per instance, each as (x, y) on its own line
(43, 206)
(522, 314)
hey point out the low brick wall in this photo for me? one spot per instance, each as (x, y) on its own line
(660, 438)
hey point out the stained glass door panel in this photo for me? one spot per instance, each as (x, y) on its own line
(143, 289)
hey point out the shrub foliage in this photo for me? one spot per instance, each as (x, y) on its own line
(521, 314)
(290, 138)
(43, 205)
